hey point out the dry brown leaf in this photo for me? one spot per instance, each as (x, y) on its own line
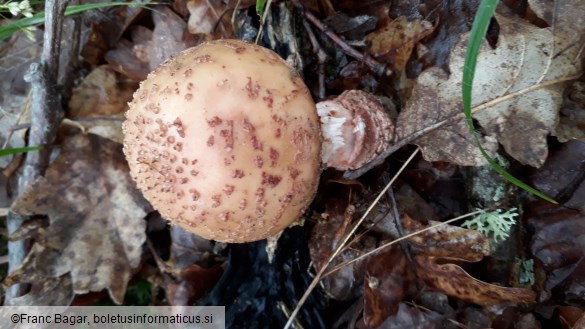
(106, 26)
(394, 42)
(100, 93)
(352, 28)
(561, 176)
(188, 248)
(191, 283)
(525, 56)
(130, 59)
(385, 285)
(96, 219)
(167, 37)
(346, 283)
(447, 244)
(455, 282)
(98, 103)
(559, 246)
(447, 240)
(414, 318)
(572, 117)
(16, 55)
(49, 292)
(205, 16)
(109, 127)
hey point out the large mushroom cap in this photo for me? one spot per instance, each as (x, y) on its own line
(224, 140)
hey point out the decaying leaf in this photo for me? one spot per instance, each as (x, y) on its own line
(98, 103)
(346, 283)
(448, 244)
(131, 58)
(353, 28)
(100, 93)
(447, 240)
(167, 37)
(96, 219)
(52, 292)
(15, 58)
(210, 17)
(563, 177)
(455, 282)
(385, 285)
(192, 269)
(525, 56)
(559, 246)
(572, 117)
(191, 283)
(414, 318)
(106, 26)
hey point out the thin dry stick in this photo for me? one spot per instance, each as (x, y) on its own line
(234, 15)
(263, 20)
(458, 324)
(217, 17)
(353, 174)
(321, 58)
(343, 243)
(45, 117)
(386, 245)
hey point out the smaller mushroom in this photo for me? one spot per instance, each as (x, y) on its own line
(356, 128)
(224, 140)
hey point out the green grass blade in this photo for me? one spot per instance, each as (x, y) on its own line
(6, 152)
(260, 6)
(478, 31)
(8, 29)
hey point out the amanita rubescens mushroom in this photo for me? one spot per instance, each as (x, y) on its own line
(224, 140)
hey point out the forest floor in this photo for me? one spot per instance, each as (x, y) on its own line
(504, 259)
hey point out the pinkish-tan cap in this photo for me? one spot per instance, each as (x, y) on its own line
(224, 140)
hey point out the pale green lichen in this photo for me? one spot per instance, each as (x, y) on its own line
(488, 185)
(526, 272)
(494, 224)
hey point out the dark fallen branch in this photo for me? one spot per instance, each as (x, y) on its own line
(321, 57)
(374, 65)
(46, 114)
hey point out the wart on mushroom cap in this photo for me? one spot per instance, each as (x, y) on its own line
(224, 140)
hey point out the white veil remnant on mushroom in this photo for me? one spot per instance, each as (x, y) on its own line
(224, 140)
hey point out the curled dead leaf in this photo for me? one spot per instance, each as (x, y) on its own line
(455, 282)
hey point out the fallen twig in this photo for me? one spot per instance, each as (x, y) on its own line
(321, 57)
(374, 65)
(46, 114)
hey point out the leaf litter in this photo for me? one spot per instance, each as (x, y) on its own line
(96, 220)
(524, 56)
(83, 243)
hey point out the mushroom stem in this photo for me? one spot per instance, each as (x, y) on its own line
(355, 128)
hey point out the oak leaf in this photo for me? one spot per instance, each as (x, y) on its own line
(525, 56)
